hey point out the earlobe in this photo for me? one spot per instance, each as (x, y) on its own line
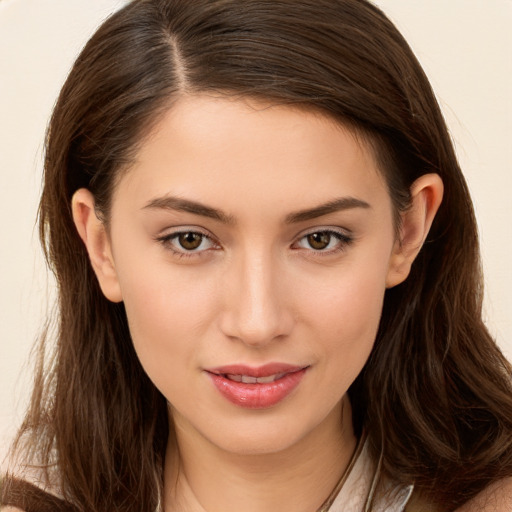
(426, 197)
(93, 233)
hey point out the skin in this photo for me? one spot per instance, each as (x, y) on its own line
(255, 289)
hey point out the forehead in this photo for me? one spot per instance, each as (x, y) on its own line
(216, 148)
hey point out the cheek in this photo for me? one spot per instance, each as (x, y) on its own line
(350, 321)
(167, 313)
(353, 317)
(344, 315)
(350, 299)
(358, 305)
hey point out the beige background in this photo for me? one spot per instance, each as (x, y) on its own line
(464, 46)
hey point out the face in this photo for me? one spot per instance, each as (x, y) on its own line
(252, 246)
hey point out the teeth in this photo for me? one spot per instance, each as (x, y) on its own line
(247, 379)
(266, 380)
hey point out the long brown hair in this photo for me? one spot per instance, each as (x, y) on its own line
(435, 397)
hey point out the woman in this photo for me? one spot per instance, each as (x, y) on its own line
(268, 275)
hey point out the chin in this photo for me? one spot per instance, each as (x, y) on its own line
(264, 435)
(257, 443)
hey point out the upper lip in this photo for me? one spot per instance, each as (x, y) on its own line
(255, 371)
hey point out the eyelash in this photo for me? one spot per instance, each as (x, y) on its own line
(167, 242)
(343, 241)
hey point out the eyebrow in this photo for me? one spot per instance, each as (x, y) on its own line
(336, 205)
(186, 205)
(196, 208)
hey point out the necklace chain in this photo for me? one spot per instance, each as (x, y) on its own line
(326, 505)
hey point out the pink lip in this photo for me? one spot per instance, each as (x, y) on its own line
(256, 395)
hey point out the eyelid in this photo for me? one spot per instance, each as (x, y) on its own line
(168, 236)
(344, 237)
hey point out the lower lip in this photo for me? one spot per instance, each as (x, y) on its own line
(257, 396)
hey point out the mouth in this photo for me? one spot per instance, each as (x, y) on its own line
(248, 379)
(257, 387)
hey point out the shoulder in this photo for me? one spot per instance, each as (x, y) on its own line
(19, 495)
(495, 498)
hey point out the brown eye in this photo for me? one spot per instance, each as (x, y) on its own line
(327, 241)
(187, 243)
(319, 241)
(190, 241)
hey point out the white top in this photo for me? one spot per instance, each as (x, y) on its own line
(357, 493)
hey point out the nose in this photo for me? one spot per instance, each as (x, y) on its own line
(256, 302)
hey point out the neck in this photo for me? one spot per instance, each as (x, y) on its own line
(205, 478)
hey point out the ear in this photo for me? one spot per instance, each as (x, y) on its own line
(93, 233)
(426, 197)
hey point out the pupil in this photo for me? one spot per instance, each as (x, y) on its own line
(319, 241)
(190, 241)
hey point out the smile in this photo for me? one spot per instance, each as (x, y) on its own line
(247, 379)
(256, 388)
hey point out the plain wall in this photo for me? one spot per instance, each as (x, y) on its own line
(464, 46)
